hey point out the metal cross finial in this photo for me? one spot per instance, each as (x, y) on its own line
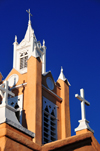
(83, 102)
(28, 11)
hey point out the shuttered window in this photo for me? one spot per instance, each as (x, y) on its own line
(23, 60)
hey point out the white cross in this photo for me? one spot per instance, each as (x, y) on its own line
(28, 11)
(83, 102)
(5, 90)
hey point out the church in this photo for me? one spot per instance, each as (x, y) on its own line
(35, 111)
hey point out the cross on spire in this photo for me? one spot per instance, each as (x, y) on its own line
(5, 90)
(83, 102)
(28, 11)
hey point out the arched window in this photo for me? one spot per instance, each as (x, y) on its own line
(23, 60)
(49, 122)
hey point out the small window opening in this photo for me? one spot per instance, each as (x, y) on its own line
(52, 113)
(46, 109)
(23, 60)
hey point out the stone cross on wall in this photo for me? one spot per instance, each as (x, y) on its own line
(83, 102)
(83, 122)
(5, 92)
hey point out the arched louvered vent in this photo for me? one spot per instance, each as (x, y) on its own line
(23, 60)
(49, 124)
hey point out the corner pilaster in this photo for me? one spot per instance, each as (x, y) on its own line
(65, 110)
(34, 98)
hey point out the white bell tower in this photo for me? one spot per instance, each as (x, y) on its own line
(28, 47)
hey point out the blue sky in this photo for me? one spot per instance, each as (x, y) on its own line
(71, 29)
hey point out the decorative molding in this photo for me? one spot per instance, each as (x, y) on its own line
(52, 93)
(22, 71)
(23, 43)
(27, 45)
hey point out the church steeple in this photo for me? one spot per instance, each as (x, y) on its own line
(29, 32)
(28, 47)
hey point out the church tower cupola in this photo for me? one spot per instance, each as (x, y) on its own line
(28, 47)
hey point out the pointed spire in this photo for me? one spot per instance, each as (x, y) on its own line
(30, 31)
(62, 76)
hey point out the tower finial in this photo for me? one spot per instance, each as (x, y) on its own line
(43, 42)
(62, 76)
(61, 69)
(28, 11)
(15, 38)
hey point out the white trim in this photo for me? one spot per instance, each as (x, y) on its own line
(22, 48)
(22, 71)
